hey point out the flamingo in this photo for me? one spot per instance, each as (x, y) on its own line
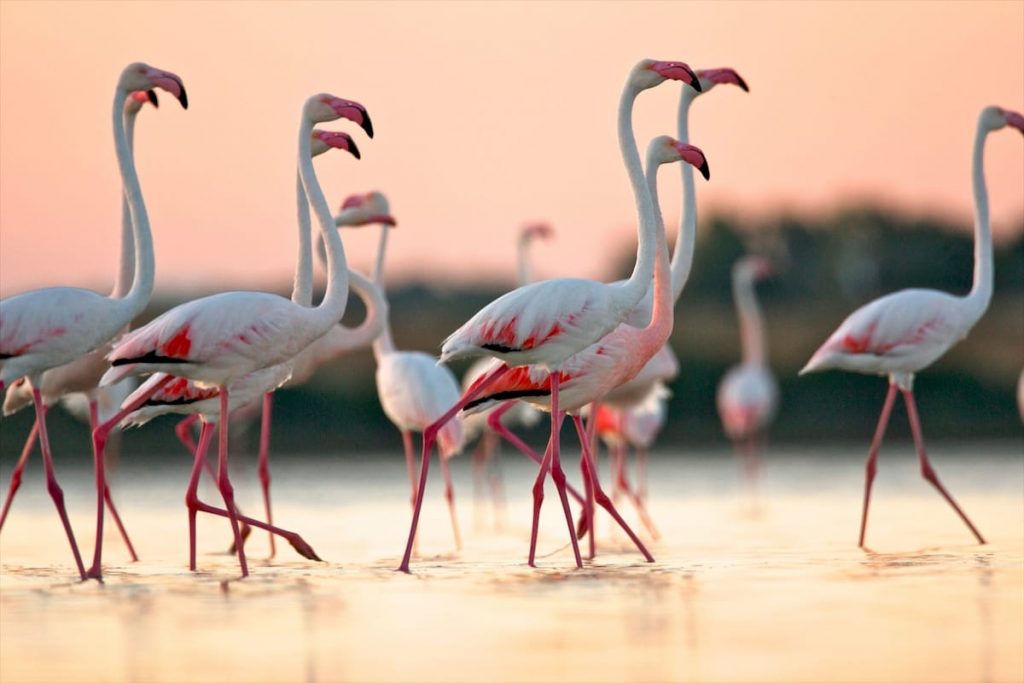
(514, 413)
(47, 328)
(748, 395)
(546, 322)
(219, 339)
(413, 389)
(83, 373)
(904, 332)
(589, 374)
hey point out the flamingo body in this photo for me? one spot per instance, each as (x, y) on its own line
(415, 391)
(747, 399)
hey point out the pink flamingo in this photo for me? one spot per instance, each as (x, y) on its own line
(219, 339)
(748, 395)
(413, 389)
(47, 328)
(514, 413)
(83, 373)
(589, 374)
(546, 322)
(905, 332)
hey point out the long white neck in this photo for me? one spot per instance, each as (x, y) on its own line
(658, 329)
(523, 269)
(383, 344)
(302, 286)
(142, 280)
(636, 286)
(332, 308)
(341, 338)
(751, 321)
(126, 267)
(981, 291)
(682, 254)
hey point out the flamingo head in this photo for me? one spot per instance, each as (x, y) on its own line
(137, 100)
(324, 140)
(666, 150)
(323, 107)
(539, 230)
(139, 76)
(709, 78)
(649, 73)
(365, 209)
(994, 118)
(754, 268)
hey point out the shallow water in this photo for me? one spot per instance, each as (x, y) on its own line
(770, 588)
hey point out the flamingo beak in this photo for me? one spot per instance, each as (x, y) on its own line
(172, 84)
(151, 95)
(678, 71)
(383, 219)
(1015, 120)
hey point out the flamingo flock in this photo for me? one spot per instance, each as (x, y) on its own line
(593, 352)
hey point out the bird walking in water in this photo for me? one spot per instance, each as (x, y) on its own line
(47, 328)
(902, 333)
(748, 395)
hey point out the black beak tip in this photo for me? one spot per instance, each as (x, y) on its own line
(367, 123)
(742, 83)
(705, 170)
(694, 81)
(353, 150)
(151, 94)
(183, 98)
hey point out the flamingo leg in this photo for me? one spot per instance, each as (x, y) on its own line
(183, 430)
(107, 498)
(641, 473)
(410, 464)
(638, 504)
(224, 482)
(602, 499)
(871, 467)
(19, 468)
(191, 493)
(263, 463)
(557, 473)
(99, 446)
(588, 506)
(51, 479)
(926, 467)
(429, 437)
(449, 496)
(538, 500)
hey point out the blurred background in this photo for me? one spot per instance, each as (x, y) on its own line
(848, 162)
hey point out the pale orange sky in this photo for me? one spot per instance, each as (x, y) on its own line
(487, 115)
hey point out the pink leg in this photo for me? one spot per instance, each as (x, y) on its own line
(224, 482)
(638, 504)
(192, 492)
(557, 473)
(99, 445)
(618, 458)
(429, 437)
(18, 469)
(603, 499)
(872, 464)
(263, 466)
(449, 496)
(183, 430)
(538, 500)
(588, 508)
(926, 467)
(107, 498)
(410, 465)
(51, 479)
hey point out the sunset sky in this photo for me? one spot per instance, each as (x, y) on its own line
(487, 115)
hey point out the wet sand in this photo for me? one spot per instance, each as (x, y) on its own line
(775, 591)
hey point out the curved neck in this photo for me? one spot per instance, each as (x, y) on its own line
(981, 290)
(383, 344)
(682, 254)
(523, 270)
(656, 332)
(302, 285)
(375, 322)
(751, 321)
(142, 280)
(126, 267)
(629, 294)
(332, 307)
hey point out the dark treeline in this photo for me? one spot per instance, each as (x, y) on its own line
(827, 267)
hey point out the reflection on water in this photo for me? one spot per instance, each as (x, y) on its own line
(782, 595)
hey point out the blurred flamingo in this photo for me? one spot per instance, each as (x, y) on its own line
(902, 333)
(748, 395)
(220, 339)
(547, 322)
(47, 328)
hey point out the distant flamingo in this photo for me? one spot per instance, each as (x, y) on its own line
(514, 413)
(47, 328)
(83, 373)
(748, 395)
(546, 322)
(219, 339)
(591, 373)
(905, 332)
(413, 389)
